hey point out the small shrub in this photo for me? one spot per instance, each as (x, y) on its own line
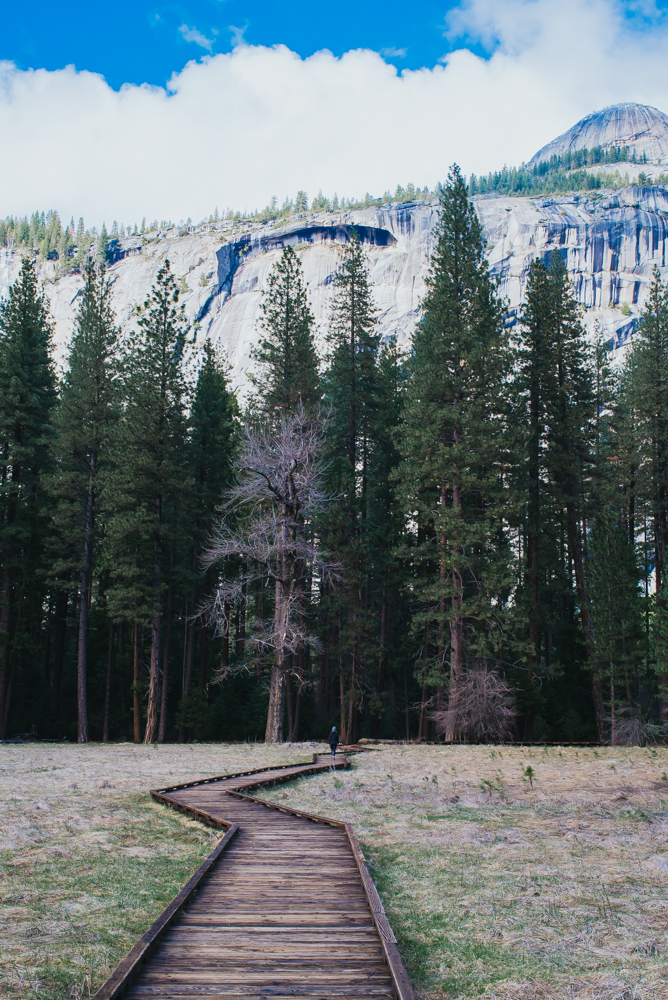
(483, 710)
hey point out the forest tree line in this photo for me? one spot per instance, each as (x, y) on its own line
(464, 541)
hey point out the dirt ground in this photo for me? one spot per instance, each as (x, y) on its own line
(545, 885)
(515, 884)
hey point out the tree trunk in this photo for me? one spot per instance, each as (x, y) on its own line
(456, 634)
(226, 638)
(585, 616)
(151, 734)
(423, 725)
(274, 729)
(342, 691)
(289, 705)
(62, 601)
(190, 642)
(294, 735)
(276, 709)
(162, 729)
(613, 717)
(382, 661)
(203, 656)
(351, 734)
(107, 689)
(408, 723)
(5, 687)
(136, 717)
(82, 653)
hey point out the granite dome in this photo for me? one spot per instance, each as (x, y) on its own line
(642, 128)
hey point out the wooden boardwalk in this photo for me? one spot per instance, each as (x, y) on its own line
(284, 908)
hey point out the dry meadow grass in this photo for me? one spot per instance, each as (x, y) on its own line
(496, 887)
(88, 860)
(499, 887)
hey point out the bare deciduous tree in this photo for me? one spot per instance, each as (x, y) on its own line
(278, 494)
(484, 710)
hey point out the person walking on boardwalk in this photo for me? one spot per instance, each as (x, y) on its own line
(333, 740)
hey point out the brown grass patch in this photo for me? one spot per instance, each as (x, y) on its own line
(497, 888)
(88, 860)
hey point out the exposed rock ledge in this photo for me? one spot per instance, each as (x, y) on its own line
(610, 243)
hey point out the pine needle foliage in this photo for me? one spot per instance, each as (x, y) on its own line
(452, 446)
(83, 422)
(287, 361)
(27, 398)
(148, 478)
(353, 397)
(556, 385)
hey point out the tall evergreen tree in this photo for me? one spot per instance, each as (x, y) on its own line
(148, 454)
(83, 422)
(212, 452)
(557, 382)
(452, 448)
(286, 355)
(352, 392)
(27, 397)
(647, 379)
(388, 599)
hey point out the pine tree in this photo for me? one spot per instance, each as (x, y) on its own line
(388, 597)
(452, 451)
(27, 397)
(557, 380)
(647, 379)
(352, 393)
(286, 355)
(212, 452)
(148, 456)
(287, 383)
(83, 421)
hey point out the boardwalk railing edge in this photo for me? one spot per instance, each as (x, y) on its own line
(244, 774)
(117, 984)
(403, 987)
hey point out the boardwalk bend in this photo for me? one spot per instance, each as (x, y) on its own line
(284, 907)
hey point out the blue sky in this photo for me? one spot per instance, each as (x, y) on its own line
(134, 41)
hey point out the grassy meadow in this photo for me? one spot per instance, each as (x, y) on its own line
(88, 860)
(498, 884)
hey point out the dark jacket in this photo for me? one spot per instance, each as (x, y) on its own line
(333, 738)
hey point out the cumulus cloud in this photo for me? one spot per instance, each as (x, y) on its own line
(235, 129)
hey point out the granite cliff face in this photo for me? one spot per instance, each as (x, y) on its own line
(643, 129)
(610, 243)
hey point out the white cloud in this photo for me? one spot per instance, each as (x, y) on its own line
(393, 53)
(235, 129)
(193, 35)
